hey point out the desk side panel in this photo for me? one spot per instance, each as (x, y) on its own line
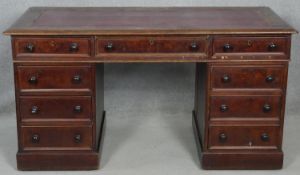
(200, 102)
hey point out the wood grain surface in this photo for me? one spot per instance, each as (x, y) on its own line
(148, 20)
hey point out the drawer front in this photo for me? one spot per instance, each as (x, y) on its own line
(247, 76)
(66, 47)
(56, 107)
(268, 45)
(56, 138)
(151, 45)
(54, 77)
(225, 107)
(244, 137)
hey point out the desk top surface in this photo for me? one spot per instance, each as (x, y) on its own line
(148, 20)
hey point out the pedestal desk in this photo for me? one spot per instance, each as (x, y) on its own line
(241, 57)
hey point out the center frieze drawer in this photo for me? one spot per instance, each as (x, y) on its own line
(54, 77)
(151, 45)
(41, 108)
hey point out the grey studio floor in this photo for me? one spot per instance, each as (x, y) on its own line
(149, 126)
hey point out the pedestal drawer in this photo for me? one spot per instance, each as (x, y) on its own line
(54, 77)
(244, 137)
(245, 107)
(56, 138)
(247, 76)
(72, 108)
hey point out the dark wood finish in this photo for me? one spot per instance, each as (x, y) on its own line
(243, 137)
(54, 77)
(61, 88)
(56, 108)
(234, 131)
(250, 44)
(98, 103)
(252, 47)
(62, 160)
(235, 159)
(151, 45)
(262, 160)
(245, 107)
(54, 46)
(56, 138)
(247, 76)
(241, 56)
(201, 106)
(149, 20)
(58, 160)
(155, 48)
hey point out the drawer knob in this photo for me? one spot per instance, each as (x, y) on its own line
(77, 109)
(77, 138)
(222, 137)
(194, 47)
(29, 47)
(264, 137)
(267, 108)
(272, 47)
(109, 47)
(35, 138)
(227, 47)
(269, 79)
(224, 108)
(226, 78)
(74, 47)
(33, 80)
(77, 79)
(34, 110)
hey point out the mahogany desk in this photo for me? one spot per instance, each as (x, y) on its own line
(241, 55)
